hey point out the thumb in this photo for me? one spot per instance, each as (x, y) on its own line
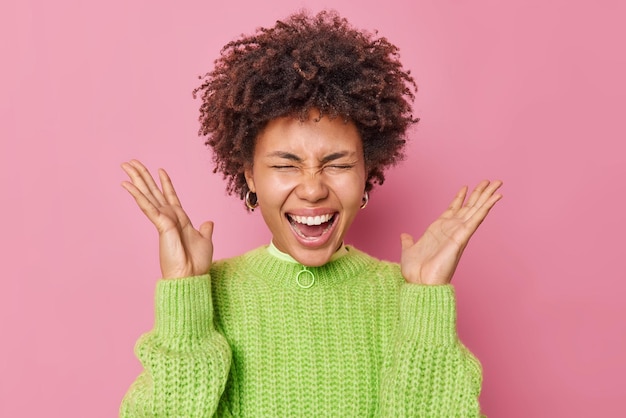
(206, 229)
(406, 240)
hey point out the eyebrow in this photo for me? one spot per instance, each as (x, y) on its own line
(293, 157)
(284, 155)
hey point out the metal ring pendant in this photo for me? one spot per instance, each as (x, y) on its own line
(299, 279)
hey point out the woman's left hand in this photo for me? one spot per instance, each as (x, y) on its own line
(432, 260)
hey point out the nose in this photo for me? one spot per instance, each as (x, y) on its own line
(312, 186)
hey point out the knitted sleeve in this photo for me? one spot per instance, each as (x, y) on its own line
(186, 361)
(428, 372)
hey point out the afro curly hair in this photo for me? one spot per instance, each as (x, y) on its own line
(302, 63)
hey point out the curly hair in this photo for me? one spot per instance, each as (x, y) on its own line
(303, 63)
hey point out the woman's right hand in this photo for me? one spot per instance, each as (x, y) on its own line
(183, 250)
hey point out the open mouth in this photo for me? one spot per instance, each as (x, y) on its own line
(311, 228)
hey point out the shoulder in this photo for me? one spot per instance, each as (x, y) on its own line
(371, 260)
(227, 266)
(376, 268)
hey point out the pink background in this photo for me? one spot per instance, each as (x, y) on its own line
(531, 92)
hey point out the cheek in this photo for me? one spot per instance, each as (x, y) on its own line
(350, 191)
(273, 190)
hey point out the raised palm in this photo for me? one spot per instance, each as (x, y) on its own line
(183, 250)
(434, 257)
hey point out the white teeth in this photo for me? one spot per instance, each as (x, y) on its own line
(311, 220)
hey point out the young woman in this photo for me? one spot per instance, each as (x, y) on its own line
(303, 118)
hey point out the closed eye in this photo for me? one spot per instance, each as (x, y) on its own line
(339, 167)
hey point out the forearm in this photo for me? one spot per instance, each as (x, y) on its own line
(428, 372)
(186, 361)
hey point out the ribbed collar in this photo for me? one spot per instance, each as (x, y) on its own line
(279, 272)
(286, 257)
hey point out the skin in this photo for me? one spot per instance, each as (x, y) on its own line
(292, 172)
(432, 260)
(184, 251)
(309, 168)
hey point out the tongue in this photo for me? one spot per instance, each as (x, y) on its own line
(312, 230)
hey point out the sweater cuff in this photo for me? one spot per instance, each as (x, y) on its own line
(183, 307)
(428, 313)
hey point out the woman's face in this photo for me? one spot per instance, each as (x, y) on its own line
(309, 178)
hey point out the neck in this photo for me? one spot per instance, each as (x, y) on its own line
(341, 251)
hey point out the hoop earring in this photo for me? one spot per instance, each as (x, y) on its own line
(251, 200)
(366, 199)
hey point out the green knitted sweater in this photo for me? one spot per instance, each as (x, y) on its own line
(258, 337)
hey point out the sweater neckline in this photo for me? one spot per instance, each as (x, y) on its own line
(273, 250)
(287, 274)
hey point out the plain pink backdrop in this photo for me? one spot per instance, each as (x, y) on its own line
(531, 92)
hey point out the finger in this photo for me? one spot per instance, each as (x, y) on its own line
(146, 206)
(477, 192)
(479, 215)
(482, 198)
(487, 192)
(406, 241)
(149, 181)
(183, 220)
(206, 230)
(139, 182)
(457, 203)
(168, 188)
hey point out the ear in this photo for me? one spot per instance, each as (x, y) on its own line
(249, 178)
